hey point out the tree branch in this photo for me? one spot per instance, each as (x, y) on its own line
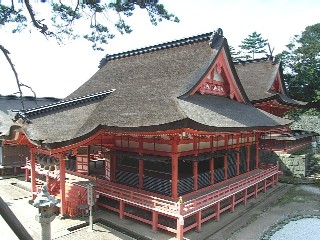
(42, 27)
(6, 54)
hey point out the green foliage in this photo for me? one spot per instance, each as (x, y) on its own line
(299, 112)
(64, 13)
(98, 36)
(235, 55)
(316, 96)
(101, 27)
(301, 62)
(10, 15)
(254, 43)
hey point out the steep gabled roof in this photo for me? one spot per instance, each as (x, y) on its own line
(13, 102)
(259, 78)
(152, 93)
(5, 123)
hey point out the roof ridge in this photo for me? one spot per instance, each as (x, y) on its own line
(264, 59)
(64, 103)
(161, 46)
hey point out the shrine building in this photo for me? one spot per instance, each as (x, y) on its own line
(263, 82)
(167, 134)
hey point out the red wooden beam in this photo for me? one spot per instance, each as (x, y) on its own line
(62, 168)
(33, 173)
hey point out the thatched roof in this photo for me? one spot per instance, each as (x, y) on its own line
(257, 77)
(151, 93)
(6, 124)
(13, 102)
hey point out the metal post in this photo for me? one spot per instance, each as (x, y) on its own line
(90, 229)
(13, 221)
(90, 200)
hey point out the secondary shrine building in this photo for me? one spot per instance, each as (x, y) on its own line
(264, 85)
(167, 135)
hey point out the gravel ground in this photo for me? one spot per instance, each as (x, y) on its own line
(306, 228)
(300, 202)
(257, 220)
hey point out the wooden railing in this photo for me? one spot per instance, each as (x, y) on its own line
(213, 197)
(104, 188)
(161, 205)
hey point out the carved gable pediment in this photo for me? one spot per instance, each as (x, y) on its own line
(276, 85)
(219, 80)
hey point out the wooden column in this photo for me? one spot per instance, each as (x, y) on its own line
(232, 202)
(141, 163)
(257, 150)
(113, 168)
(174, 168)
(211, 171)
(217, 211)
(225, 158)
(121, 210)
(245, 196)
(265, 185)
(33, 173)
(211, 162)
(62, 168)
(195, 163)
(248, 158)
(141, 170)
(255, 190)
(174, 177)
(225, 165)
(154, 221)
(180, 222)
(180, 231)
(195, 175)
(26, 170)
(198, 221)
(238, 162)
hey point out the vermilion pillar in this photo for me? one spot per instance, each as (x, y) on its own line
(211, 163)
(211, 171)
(248, 158)
(113, 166)
(174, 177)
(174, 168)
(257, 149)
(62, 185)
(141, 168)
(238, 162)
(195, 175)
(225, 163)
(33, 173)
(225, 158)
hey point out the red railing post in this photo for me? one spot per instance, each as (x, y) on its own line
(256, 190)
(33, 173)
(121, 210)
(154, 221)
(62, 184)
(245, 196)
(180, 221)
(232, 202)
(198, 221)
(217, 211)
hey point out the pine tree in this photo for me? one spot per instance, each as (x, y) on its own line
(235, 55)
(254, 43)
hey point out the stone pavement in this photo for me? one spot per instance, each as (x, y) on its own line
(107, 224)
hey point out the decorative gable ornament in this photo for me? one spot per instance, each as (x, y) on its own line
(216, 34)
(219, 79)
(214, 83)
(276, 86)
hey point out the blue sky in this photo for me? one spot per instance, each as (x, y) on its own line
(56, 71)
